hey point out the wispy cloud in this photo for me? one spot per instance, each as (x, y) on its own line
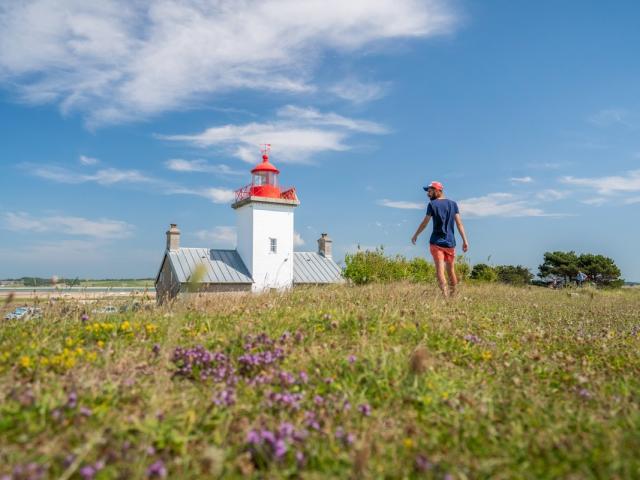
(216, 195)
(223, 236)
(298, 241)
(550, 194)
(116, 60)
(401, 204)
(355, 91)
(608, 185)
(84, 160)
(189, 166)
(491, 205)
(296, 135)
(520, 180)
(106, 176)
(66, 225)
(612, 116)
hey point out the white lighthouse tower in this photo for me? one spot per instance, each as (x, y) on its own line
(264, 220)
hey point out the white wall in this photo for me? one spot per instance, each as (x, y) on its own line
(257, 223)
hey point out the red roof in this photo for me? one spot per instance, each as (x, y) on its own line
(265, 166)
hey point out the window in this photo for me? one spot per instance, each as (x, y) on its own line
(273, 245)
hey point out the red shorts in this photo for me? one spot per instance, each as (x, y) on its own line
(442, 253)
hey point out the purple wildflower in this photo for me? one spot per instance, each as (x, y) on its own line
(226, 397)
(84, 318)
(304, 378)
(351, 359)
(584, 393)
(471, 338)
(421, 464)
(85, 412)
(299, 337)
(72, 400)
(300, 459)
(87, 472)
(318, 400)
(364, 409)
(157, 470)
(156, 349)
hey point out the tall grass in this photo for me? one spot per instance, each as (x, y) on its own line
(376, 381)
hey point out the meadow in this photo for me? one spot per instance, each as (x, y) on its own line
(374, 381)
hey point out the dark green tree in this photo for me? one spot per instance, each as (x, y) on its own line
(601, 270)
(559, 264)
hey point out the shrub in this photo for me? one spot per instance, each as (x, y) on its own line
(513, 274)
(484, 272)
(369, 266)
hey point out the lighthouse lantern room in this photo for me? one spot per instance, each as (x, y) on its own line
(264, 220)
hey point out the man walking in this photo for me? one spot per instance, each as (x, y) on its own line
(443, 240)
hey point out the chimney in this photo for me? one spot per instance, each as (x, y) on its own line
(173, 237)
(324, 245)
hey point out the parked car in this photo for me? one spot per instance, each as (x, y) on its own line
(108, 310)
(22, 313)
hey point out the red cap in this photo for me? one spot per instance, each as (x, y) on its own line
(436, 185)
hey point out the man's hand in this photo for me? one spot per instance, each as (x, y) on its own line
(414, 239)
(465, 246)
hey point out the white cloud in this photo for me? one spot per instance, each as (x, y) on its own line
(611, 116)
(608, 185)
(498, 205)
(516, 180)
(296, 135)
(596, 201)
(116, 60)
(100, 229)
(84, 160)
(401, 204)
(106, 176)
(216, 195)
(355, 91)
(223, 236)
(550, 194)
(298, 241)
(181, 165)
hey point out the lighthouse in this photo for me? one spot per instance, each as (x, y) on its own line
(265, 227)
(263, 259)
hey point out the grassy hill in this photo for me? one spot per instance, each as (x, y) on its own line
(377, 381)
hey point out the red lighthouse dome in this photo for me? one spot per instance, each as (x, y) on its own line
(264, 181)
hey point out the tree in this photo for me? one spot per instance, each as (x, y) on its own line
(513, 274)
(484, 272)
(600, 269)
(559, 264)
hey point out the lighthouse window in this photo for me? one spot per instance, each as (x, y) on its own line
(273, 245)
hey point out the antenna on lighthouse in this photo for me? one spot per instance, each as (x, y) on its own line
(265, 149)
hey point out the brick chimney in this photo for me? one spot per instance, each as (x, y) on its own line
(324, 245)
(173, 237)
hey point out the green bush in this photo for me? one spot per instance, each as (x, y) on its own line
(484, 272)
(514, 274)
(366, 266)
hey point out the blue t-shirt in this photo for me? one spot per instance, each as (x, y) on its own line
(443, 212)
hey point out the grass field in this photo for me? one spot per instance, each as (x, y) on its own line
(381, 381)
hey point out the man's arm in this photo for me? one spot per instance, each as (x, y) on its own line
(465, 243)
(421, 227)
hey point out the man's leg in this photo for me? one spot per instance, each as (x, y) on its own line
(453, 280)
(442, 281)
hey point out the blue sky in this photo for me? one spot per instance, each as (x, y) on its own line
(120, 118)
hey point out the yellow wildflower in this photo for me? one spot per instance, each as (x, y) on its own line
(25, 361)
(408, 443)
(100, 344)
(487, 355)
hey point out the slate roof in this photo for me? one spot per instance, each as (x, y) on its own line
(311, 267)
(221, 266)
(226, 266)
